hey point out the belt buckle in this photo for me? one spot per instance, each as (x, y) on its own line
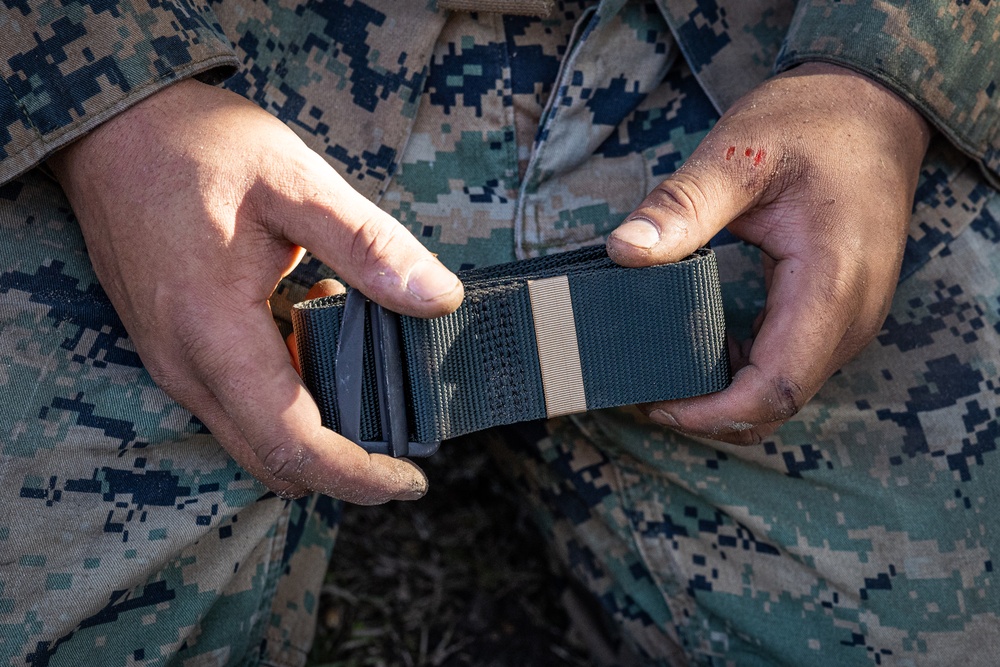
(389, 379)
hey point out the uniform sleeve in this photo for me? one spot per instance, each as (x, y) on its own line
(940, 55)
(68, 66)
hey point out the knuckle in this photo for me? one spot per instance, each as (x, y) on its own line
(264, 198)
(372, 242)
(286, 460)
(740, 433)
(293, 191)
(191, 343)
(162, 370)
(173, 381)
(787, 398)
(764, 166)
(788, 167)
(846, 301)
(169, 364)
(680, 195)
(204, 352)
(753, 436)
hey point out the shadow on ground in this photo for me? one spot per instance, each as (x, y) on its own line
(460, 577)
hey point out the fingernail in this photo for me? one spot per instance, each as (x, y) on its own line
(638, 232)
(415, 494)
(411, 476)
(663, 417)
(429, 280)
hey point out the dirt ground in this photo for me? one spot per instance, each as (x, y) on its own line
(460, 577)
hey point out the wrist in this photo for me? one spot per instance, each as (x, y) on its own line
(877, 106)
(114, 137)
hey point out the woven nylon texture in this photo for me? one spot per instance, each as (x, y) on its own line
(319, 370)
(664, 337)
(644, 335)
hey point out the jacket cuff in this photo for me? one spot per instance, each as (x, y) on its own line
(65, 74)
(942, 57)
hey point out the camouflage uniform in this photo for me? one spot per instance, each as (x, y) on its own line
(860, 533)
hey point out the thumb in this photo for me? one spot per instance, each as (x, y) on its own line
(687, 209)
(368, 248)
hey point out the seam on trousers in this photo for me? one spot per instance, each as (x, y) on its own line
(282, 649)
(273, 573)
(617, 463)
(509, 112)
(598, 437)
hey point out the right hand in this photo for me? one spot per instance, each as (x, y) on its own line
(194, 203)
(818, 168)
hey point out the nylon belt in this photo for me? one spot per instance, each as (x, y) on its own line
(532, 339)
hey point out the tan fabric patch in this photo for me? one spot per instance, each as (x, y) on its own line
(558, 349)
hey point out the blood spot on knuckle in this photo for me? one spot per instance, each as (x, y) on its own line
(766, 167)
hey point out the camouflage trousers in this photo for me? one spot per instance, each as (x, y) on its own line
(127, 535)
(861, 533)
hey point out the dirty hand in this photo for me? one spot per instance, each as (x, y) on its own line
(194, 203)
(818, 168)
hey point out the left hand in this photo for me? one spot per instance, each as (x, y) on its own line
(817, 167)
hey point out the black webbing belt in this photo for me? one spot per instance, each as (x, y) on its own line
(532, 339)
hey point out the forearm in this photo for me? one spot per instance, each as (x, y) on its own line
(941, 57)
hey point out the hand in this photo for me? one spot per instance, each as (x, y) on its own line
(194, 203)
(817, 167)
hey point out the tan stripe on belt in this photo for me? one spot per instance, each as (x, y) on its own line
(558, 349)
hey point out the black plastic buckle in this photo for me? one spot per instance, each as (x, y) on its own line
(389, 379)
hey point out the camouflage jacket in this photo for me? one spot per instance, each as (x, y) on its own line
(68, 66)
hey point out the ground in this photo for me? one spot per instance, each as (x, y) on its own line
(460, 577)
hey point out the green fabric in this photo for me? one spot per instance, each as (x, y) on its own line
(942, 57)
(68, 67)
(644, 335)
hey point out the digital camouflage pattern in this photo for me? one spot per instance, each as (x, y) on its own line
(942, 58)
(68, 68)
(860, 534)
(863, 532)
(346, 76)
(357, 64)
(127, 535)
